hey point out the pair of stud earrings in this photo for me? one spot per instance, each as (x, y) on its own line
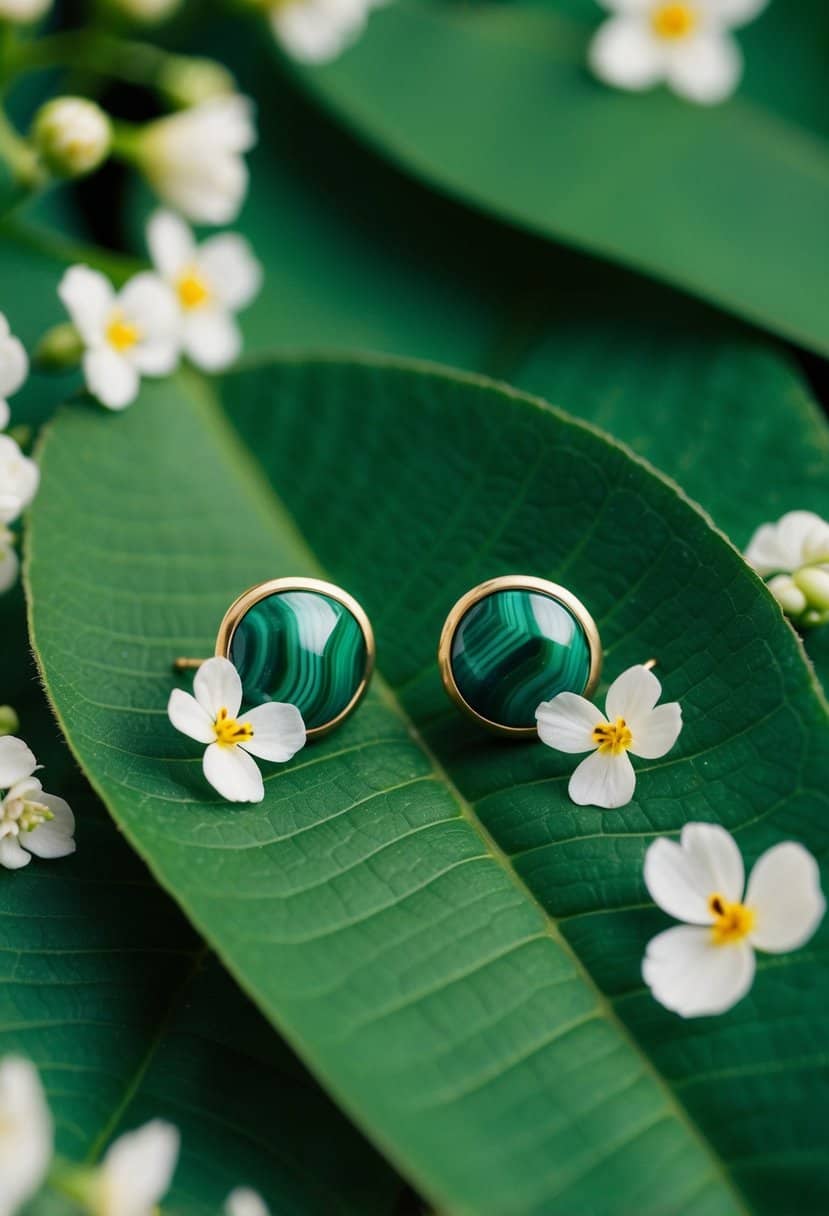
(506, 645)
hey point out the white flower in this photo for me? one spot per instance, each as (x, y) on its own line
(14, 368)
(686, 43)
(706, 965)
(315, 31)
(127, 335)
(273, 731)
(136, 1171)
(211, 282)
(73, 135)
(23, 11)
(796, 551)
(25, 1133)
(31, 821)
(19, 479)
(194, 159)
(634, 723)
(245, 1202)
(9, 563)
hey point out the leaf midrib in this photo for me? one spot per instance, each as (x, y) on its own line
(255, 478)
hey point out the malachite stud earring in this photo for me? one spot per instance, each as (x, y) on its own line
(299, 640)
(513, 642)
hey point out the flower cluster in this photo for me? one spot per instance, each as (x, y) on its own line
(187, 305)
(688, 44)
(793, 555)
(134, 1175)
(19, 476)
(32, 822)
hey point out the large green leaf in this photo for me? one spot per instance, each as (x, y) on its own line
(493, 104)
(452, 946)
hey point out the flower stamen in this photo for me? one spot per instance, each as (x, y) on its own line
(612, 738)
(732, 922)
(673, 21)
(229, 731)
(120, 333)
(193, 290)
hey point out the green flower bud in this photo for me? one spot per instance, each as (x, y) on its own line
(72, 135)
(790, 598)
(813, 582)
(59, 349)
(9, 721)
(187, 80)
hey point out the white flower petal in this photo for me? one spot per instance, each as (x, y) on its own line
(88, 297)
(233, 774)
(9, 564)
(217, 686)
(566, 723)
(655, 735)
(5, 414)
(245, 1202)
(170, 242)
(603, 780)
(682, 877)
(138, 1168)
(189, 717)
(12, 857)
(705, 69)
(739, 12)
(19, 480)
(158, 357)
(14, 366)
(690, 975)
(278, 732)
(784, 891)
(26, 1135)
(55, 838)
(632, 695)
(110, 377)
(151, 304)
(315, 31)
(624, 53)
(231, 269)
(17, 761)
(211, 339)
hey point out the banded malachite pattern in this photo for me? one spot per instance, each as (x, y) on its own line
(515, 649)
(301, 647)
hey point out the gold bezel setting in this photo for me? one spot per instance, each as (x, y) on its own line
(514, 582)
(261, 591)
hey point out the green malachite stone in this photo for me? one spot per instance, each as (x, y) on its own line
(301, 647)
(514, 649)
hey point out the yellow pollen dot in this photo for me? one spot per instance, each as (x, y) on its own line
(122, 334)
(732, 922)
(673, 20)
(229, 731)
(193, 291)
(613, 737)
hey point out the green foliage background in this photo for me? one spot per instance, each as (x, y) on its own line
(473, 1003)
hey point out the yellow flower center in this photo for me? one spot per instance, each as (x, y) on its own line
(22, 815)
(673, 20)
(193, 290)
(121, 333)
(229, 731)
(732, 922)
(612, 737)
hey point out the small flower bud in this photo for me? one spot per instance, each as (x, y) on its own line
(813, 582)
(9, 721)
(187, 80)
(73, 135)
(790, 598)
(59, 349)
(22, 12)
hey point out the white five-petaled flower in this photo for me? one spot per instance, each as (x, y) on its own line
(19, 479)
(315, 31)
(127, 335)
(14, 368)
(211, 282)
(706, 965)
(686, 43)
(795, 550)
(274, 731)
(31, 821)
(136, 1172)
(633, 723)
(25, 1133)
(194, 159)
(245, 1202)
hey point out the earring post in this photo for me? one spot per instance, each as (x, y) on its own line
(187, 664)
